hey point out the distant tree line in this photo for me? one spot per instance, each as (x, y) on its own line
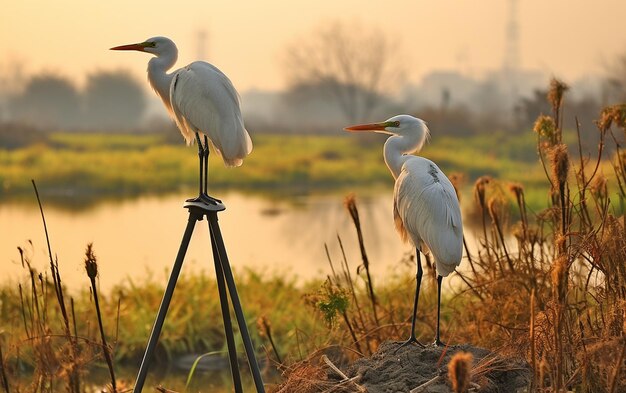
(335, 75)
(340, 73)
(110, 100)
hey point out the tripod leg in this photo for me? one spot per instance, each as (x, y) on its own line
(216, 236)
(165, 303)
(228, 326)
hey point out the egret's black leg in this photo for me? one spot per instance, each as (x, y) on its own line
(206, 165)
(418, 281)
(204, 196)
(199, 198)
(438, 342)
(201, 157)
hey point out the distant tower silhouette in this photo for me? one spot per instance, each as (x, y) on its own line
(512, 55)
(512, 62)
(463, 61)
(202, 38)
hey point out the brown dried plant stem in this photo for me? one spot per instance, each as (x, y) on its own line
(585, 182)
(618, 367)
(533, 341)
(336, 280)
(92, 272)
(348, 278)
(493, 213)
(267, 330)
(73, 374)
(354, 214)
(5, 380)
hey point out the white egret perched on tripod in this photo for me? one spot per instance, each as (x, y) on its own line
(202, 101)
(425, 205)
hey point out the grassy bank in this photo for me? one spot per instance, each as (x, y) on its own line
(118, 165)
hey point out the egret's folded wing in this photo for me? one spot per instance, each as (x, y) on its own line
(204, 99)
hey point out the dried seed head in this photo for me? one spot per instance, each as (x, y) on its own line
(457, 179)
(545, 126)
(460, 371)
(599, 187)
(350, 204)
(480, 188)
(518, 190)
(606, 119)
(494, 205)
(559, 160)
(91, 264)
(614, 114)
(619, 115)
(264, 326)
(556, 92)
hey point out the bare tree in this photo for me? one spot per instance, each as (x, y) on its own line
(354, 65)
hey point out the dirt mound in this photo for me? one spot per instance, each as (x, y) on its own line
(388, 371)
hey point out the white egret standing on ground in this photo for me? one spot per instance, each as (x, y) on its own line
(425, 205)
(202, 100)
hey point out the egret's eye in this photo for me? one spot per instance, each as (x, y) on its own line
(395, 124)
(149, 44)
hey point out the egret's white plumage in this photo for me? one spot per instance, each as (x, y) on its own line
(425, 205)
(426, 212)
(196, 109)
(199, 97)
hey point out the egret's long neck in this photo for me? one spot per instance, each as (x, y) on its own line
(158, 77)
(396, 151)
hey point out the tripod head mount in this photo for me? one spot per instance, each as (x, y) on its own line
(201, 204)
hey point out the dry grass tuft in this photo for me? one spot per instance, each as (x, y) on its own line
(304, 377)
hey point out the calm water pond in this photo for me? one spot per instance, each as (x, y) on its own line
(140, 236)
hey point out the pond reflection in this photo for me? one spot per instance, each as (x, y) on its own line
(136, 237)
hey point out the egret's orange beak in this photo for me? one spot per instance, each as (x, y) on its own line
(140, 47)
(370, 127)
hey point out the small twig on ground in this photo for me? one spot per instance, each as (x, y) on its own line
(432, 381)
(333, 367)
(344, 377)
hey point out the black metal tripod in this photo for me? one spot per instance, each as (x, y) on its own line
(225, 281)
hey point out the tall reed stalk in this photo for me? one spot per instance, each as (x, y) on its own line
(91, 266)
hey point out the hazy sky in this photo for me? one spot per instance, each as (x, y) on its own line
(246, 39)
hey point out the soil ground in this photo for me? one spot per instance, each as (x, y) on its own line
(388, 371)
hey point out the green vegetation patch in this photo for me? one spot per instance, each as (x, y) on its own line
(126, 164)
